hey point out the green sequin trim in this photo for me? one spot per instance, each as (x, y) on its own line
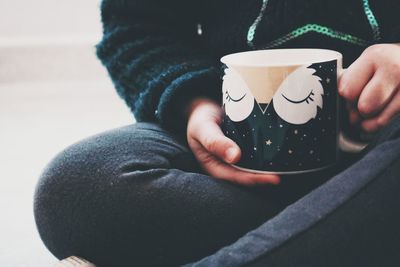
(372, 20)
(319, 29)
(315, 28)
(252, 30)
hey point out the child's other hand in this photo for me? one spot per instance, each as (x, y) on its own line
(371, 86)
(213, 149)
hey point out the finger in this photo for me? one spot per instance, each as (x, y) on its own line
(376, 94)
(378, 122)
(354, 117)
(356, 77)
(214, 141)
(352, 111)
(219, 169)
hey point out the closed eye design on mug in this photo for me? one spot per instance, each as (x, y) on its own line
(299, 96)
(307, 99)
(229, 98)
(237, 98)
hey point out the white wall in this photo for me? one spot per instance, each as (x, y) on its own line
(53, 92)
(33, 18)
(48, 40)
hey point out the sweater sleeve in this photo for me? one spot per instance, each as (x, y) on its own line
(150, 49)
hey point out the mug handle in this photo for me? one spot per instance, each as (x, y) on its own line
(345, 143)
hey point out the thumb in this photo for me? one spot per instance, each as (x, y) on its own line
(215, 142)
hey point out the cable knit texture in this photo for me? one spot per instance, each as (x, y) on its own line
(159, 63)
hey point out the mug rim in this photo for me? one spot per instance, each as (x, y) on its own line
(311, 57)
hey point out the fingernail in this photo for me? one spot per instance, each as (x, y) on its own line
(230, 154)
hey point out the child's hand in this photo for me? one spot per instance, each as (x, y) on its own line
(371, 86)
(213, 150)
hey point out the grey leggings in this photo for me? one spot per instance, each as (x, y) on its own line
(135, 196)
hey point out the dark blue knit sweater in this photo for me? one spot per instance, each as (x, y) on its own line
(161, 54)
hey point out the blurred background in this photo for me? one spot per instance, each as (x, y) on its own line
(53, 92)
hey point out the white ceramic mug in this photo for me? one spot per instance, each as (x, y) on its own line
(281, 107)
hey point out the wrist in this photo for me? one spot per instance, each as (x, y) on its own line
(199, 103)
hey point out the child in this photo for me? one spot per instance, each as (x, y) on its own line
(161, 192)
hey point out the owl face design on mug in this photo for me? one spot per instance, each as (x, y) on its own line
(299, 96)
(296, 101)
(237, 99)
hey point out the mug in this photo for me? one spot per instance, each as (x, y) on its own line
(281, 107)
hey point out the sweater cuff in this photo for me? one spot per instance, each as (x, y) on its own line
(205, 83)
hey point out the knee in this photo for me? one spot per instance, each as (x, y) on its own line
(83, 192)
(84, 188)
(59, 199)
(72, 195)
